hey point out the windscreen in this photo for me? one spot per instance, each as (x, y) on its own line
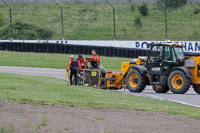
(179, 53)
(155, 53)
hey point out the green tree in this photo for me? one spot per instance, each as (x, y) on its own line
(196, 11)
(27, 31)
(132, 8)
(143, 9)
(138, 22)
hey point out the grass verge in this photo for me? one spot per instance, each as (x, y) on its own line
(51, 60)
(51, 91)
(85, 21)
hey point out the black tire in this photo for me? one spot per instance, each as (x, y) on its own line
(184, 85)
(196, 88)
(162, 89)
(141, 81)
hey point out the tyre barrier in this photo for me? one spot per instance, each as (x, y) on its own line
(22, 47)
(118, 52)
(7, 46)
(66, 49)
(19, 47)
(44, 48)
(10, 47)
(78, 49)
(14, 47)
(35, 47)
(128, 53)
(39, 48)
(31, 45)
(61, 49)
(84, 49)
(52, 48)
(106, 51)
(27, 47)
(56, 48)
(102, 51)
(115, 52)
(110, 51)
(2, 46)
(89, 49)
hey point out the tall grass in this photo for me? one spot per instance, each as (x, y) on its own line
(94, 21)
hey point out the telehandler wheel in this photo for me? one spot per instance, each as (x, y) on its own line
(178, 82)
(135, 81)
(161, 89)
(196, 88)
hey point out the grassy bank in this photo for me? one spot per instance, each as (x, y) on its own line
(84, 21)
(51, 60)
(51, 91)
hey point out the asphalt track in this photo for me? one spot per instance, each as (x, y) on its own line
(190, 98)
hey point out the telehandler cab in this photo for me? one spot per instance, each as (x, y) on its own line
(165, 68)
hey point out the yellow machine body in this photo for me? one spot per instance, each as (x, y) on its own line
(118, 79)
(194, 69)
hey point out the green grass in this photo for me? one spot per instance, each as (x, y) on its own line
(51, 91)
(99, 118)
(94, 22)
(51, 60)
(10, 129)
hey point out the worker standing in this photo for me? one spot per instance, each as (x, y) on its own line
(94, 59)
(75, 67)
(82, 61)
(95, 62)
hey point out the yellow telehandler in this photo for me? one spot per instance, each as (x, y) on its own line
(166, 68)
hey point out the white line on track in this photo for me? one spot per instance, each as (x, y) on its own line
(156, 97)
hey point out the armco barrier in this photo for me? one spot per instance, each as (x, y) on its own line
(72, 49)
(77, 49)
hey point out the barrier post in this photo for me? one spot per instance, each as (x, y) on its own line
(165, 18)
(61, 9)
(114, 25)
(10, 9)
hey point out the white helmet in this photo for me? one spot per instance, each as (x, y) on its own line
(72, 57)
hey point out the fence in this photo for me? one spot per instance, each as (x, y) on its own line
(91, 1)
(88, 21)
(80, 1)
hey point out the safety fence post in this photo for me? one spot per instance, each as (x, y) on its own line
(11, 33)
(162, 4)
(63, 37)
(114, 25)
